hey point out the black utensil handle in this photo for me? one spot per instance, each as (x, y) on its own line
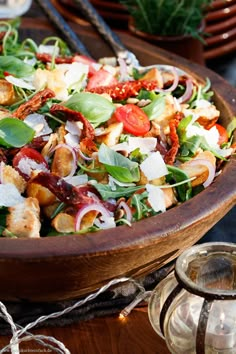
(97, 21)
(66, 31)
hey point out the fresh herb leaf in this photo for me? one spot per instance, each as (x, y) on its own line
(106, 192)
(184, 190)
(15, 66)
(15, 133)
(95, 108)
(154, 109)
(118, 166)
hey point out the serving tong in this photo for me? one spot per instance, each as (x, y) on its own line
(113, 40)
(98, 23)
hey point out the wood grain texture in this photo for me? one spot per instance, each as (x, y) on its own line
(108, 335)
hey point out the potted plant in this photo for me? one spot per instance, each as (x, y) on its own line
(176, 25)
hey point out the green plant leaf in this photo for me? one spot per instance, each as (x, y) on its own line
(15, 133)
(15, 66)
(154, 109)
(106, 192)
(118, 166)
(184, 190)
(95, 108)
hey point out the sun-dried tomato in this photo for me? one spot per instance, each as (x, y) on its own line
(47, 58)
(69, 114)
(170, 156)
(124, 90)
(33, 105)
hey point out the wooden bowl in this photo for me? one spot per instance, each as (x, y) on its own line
(65, 267)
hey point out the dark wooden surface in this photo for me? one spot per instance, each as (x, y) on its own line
(107, 335)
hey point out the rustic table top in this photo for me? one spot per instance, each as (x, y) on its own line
(106, 335)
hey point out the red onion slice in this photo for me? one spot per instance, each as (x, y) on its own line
(175, 82)
(74, 163)
(209, 165)
(87, 208)
(188, 92)
(84, 157)
(127, 210)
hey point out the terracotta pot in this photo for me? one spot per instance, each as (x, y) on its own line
(185, 46)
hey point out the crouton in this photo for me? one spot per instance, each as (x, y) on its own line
(10, 175)
(7, 93)
(41, 193)
(23, 219)
(111, 135)
(200, 172)
(154, 74)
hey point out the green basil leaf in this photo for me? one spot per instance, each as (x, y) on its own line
(184, 190)
(118, 166)
(15, 133)
(106, 192)
(95, 108)
(15, 66)
(154, 109)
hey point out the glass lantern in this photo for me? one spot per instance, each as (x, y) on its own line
(194, 308)
(13, 8)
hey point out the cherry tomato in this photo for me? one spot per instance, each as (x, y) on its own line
(101, 78)
(88, 61)
(223, 135)
(33, 160)
(135, 121)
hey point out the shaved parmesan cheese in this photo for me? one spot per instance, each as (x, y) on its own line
(27, 165)
(154, 166)
(156, 198)
(77, 180)
(71, 140)
(38, 123)
(20, 82)
(48, 49)
(74, 127)
(76, 75)
(9, 195)
(145, 145)
(211, 135)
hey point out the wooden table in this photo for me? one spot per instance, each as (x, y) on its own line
(107, 335)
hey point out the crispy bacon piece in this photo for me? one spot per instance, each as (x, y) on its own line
(172, 152)
(88, 130)
(47, 58)
(124, 90)
(31, 106)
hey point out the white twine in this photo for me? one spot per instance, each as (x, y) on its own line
(61, 349)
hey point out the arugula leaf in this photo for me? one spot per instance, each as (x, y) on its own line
(231, 126)
(95, 108)
(15, 66)
(118, 166)
(106, 192)
(184, 190)
(156, 107)
(15, 133)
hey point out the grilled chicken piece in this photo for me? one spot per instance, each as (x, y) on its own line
(23, 219)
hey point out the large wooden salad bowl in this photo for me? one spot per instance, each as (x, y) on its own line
(64, 267)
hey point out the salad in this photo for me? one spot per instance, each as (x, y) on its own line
(88, 145)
